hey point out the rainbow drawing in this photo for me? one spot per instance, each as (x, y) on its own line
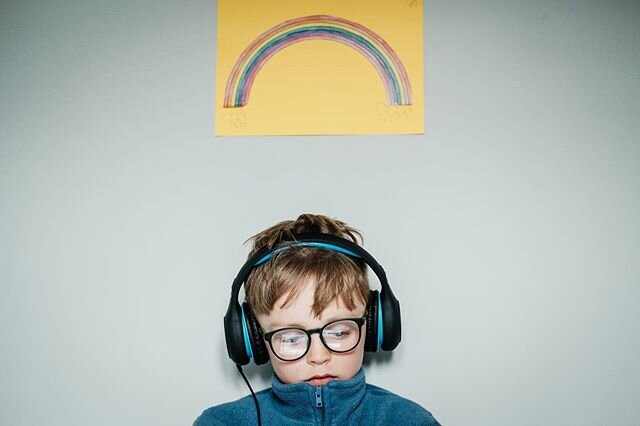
(318, 27)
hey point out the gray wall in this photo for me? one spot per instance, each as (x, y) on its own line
(509, 230)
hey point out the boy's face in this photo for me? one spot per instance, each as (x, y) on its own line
(319, 366)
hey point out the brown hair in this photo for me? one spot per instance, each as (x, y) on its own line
(336, 276)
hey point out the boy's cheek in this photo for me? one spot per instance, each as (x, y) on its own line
(289, 372)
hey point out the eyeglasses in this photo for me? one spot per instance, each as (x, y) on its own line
(292, 343)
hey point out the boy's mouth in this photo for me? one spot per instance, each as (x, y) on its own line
(320, 379)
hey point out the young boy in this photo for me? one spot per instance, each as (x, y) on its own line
(311, 305)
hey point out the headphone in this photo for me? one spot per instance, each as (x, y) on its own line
(242, 331)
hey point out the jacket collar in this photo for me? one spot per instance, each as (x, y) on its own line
(338, 399)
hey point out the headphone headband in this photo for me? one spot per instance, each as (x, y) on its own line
(326, 241)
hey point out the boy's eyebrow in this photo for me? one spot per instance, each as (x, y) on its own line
(277, 326)
(288, 325)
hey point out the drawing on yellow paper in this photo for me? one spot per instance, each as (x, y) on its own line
(305, 68)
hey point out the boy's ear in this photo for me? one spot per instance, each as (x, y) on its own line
(258, 345)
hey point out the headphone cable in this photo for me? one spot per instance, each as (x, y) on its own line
(255, 399)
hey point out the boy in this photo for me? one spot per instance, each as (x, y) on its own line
(309, 309)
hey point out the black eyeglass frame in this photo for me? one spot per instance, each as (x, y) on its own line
(359, 321)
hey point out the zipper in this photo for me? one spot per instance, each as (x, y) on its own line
(318, 397)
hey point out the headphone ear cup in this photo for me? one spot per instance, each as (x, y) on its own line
(258, 347)
(371, 339)
(392, 324)
(234, 334)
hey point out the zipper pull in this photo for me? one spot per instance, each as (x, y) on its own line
(318, 397)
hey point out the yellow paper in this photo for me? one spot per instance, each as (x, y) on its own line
(314, 67)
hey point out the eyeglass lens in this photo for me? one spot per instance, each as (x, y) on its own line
(340, 336)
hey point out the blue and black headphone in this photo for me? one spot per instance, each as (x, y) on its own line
(242, 331)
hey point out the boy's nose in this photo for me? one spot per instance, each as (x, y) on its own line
(318, 353)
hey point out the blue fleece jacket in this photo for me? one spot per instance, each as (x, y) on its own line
(340, 402)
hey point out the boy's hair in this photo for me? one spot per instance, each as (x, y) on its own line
(336, 276)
